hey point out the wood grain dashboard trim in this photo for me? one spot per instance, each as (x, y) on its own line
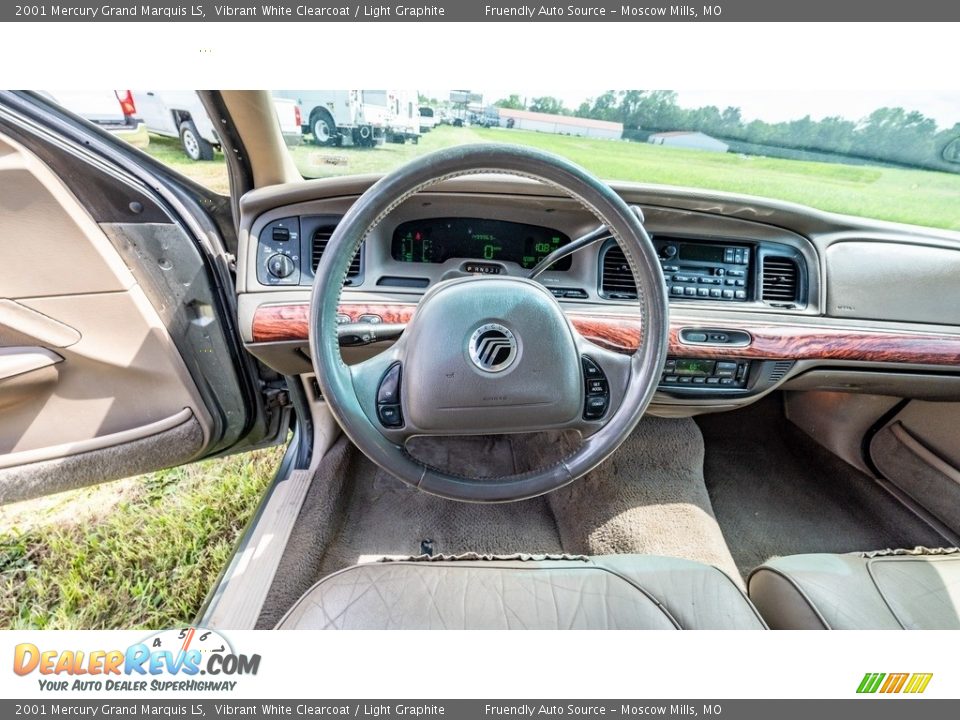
(770, 341)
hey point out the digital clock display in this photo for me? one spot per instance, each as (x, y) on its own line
(440, 239)
(694, 367)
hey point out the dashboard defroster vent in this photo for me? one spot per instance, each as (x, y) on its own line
(321, 236)
(780, 282)
(617, 281)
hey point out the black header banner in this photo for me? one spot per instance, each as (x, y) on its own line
(201, 11)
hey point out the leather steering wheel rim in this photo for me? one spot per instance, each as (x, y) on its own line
(643, 367)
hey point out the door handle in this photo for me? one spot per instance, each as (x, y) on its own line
(15, 361)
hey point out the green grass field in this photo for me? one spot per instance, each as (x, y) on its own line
(137, 553)
(912, 196)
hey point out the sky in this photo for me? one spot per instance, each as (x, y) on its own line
(776, 106)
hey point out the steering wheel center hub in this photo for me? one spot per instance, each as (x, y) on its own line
(490, 355)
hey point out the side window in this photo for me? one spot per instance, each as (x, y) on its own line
(171, 126)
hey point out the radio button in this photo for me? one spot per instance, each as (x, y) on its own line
(737, 273)
(714, 292)
(690, 291)
(741, 295)
(703, 292)
(676, 290)
(728, 294)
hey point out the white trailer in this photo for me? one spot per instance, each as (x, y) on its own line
(341, 117)
(404, 118)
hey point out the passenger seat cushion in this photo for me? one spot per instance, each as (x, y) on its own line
(915, 590)
(618, 592)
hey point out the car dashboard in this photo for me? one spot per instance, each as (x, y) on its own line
(762, 294)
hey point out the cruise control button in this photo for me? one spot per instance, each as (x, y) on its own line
(595, 407)
(389, 391)
(372, 319)
(596, 387)
(590, 369)
(342, 319)
(390, 415)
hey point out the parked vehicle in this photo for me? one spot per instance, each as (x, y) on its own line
(290, 119)
(179, 114)
(428, 120)
(404, 118)
(341, 117)
(113, 110)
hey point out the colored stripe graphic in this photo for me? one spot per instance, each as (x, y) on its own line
(894, 683)
(870, 682)
(918, 682)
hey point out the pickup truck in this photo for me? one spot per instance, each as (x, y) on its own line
(180, 114)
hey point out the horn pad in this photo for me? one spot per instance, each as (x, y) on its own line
(490, 355)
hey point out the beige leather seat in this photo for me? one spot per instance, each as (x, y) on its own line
(914, 590)
(615, 592)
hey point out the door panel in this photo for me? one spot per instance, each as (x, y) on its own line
(92, 387)
(918, 450)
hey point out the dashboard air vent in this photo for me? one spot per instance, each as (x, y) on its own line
(617, 281)
(321, 236)
(780, 280)
(780, 369)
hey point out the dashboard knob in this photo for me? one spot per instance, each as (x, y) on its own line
(668, 251)
(280, 265)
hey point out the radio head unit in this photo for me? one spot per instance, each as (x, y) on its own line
(706, 271)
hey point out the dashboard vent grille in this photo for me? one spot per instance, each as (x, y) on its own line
(321, 236)
(617, 281)
(780, 280)
(780, 369)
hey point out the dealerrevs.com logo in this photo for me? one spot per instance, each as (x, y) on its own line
(180, 660)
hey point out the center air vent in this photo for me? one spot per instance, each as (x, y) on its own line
(321, 236)
(617, 280)
(780, 280)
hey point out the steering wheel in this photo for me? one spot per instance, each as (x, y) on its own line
(488, 354)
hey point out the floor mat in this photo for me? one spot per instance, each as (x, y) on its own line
(387, 517)
(648, 498)
(777, 492)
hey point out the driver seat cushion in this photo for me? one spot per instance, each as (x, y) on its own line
(893, 589)
(525, 592)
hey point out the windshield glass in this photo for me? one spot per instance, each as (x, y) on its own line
(892, 157)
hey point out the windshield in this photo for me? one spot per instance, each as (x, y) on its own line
(893, 157)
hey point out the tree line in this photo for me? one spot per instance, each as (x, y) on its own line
(892, 135)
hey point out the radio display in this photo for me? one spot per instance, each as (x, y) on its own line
(437, 240)
(694, 367)
(701, 253)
